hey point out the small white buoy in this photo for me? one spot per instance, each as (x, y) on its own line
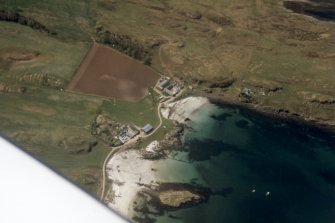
(253, 191)
(267, 193)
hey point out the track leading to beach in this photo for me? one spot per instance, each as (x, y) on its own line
(132, 141)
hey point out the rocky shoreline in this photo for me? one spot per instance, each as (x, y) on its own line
(322, 10)
(278, 114)
(172, 141)
(143, 173)
(149, 192)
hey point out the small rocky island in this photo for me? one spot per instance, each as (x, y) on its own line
(179, 198)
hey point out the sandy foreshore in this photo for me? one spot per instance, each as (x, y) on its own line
(130, 174)
(181, 110)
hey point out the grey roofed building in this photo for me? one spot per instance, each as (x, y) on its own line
(164, 84)
(147, 128)
(132, 133)
(169, 87)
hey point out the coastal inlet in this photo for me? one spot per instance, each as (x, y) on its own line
(252, 169)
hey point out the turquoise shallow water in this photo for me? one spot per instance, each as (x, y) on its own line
(234, 152)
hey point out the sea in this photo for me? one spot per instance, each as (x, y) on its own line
(260, 169)
(319, 9)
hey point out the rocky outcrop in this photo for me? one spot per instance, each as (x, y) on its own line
(318, 98)
(296, 33)
(170, 197)
(224, 82)
(218, 83)
(126, 45)
(76, 145)
(16, 57)
(172, 141)
(179, 198)
(15, 17)
(191, 14)
(153, 155)
(42, 79)
(253, 88)
(180, 195)
(263, 86)
(11, 89)
(106, 129)
(221, 20)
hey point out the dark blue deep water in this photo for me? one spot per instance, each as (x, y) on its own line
(324, 15)
(235, 152)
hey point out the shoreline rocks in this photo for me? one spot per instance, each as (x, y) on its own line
(278, 114)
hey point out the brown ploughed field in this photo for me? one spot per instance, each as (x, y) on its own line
(108, 73)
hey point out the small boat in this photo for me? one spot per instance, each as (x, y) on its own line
(253, 191)
(267, 193)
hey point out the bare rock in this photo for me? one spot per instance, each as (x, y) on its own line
(264, 86)
(317, 98)
(179, 198)
(223, 83)
(11, 89)
(221, 20)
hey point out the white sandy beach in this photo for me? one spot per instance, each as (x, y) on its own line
(183, 109)
(128, 171)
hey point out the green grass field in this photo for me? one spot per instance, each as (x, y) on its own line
(42, 121)
(71, 20)
(55, 57)
(51, 124)
(140, 113)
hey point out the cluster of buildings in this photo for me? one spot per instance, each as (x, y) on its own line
(169, 86)
(165, 85)
(127, 132)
